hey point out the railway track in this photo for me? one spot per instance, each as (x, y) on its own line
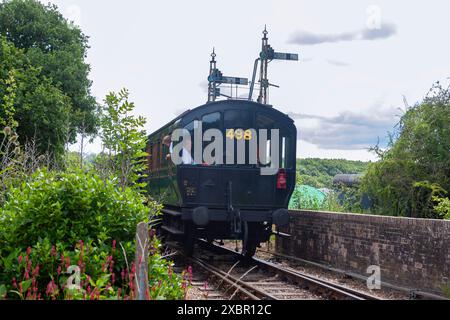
(229, 276)
(410, 294)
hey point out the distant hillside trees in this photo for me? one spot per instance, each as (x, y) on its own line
(44, 57)
(319, 173)
(413, 176)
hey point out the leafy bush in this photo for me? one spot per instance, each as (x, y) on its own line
(67, 207)
(58, 220)
(42, 273)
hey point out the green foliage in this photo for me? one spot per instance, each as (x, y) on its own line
(32, 103)
(124, 139)
(319, 173)
(58, 49)
(67, 207)
(416, 168)
(7, 108)
(442, 207)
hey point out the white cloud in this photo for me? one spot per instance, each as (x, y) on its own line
(385, 31)
(348, 130)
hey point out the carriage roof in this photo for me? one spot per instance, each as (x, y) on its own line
(217, 106)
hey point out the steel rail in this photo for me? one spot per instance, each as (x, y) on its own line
(318, 285)
(236, 282)
(211, 270)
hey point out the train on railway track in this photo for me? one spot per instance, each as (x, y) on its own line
(225, 169)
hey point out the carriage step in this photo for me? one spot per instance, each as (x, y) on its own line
(171, 212)
(173, 231)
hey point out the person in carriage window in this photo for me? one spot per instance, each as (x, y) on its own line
(186, 151)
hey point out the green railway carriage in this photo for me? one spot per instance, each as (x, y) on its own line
(229, 198)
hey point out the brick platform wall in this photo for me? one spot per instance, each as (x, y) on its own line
(413, 253)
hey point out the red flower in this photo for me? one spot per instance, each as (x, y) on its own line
(20, 259)
(190, 273)
(53, 251)
(51, 288)
(36, 271)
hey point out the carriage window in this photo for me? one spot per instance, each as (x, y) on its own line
(155, 156)
(187, 153)
(237, 125)
(287, 152)
(211, 121)
(265, 123)
(237, 119)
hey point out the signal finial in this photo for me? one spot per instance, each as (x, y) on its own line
(265, 32)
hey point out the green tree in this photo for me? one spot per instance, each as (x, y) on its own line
(416, 168)
(123, 140)
(39, 109)
(58, 48)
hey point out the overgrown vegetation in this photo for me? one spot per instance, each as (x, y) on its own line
(412, 177)
(53, 220)
(56, 212)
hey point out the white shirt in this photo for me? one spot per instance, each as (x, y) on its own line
(186, 156)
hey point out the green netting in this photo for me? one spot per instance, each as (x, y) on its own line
(305, 196)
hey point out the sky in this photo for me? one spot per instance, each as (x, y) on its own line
(359, 60)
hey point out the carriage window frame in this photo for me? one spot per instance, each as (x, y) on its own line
(150, 156)
(219, 127)
(164, 152)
